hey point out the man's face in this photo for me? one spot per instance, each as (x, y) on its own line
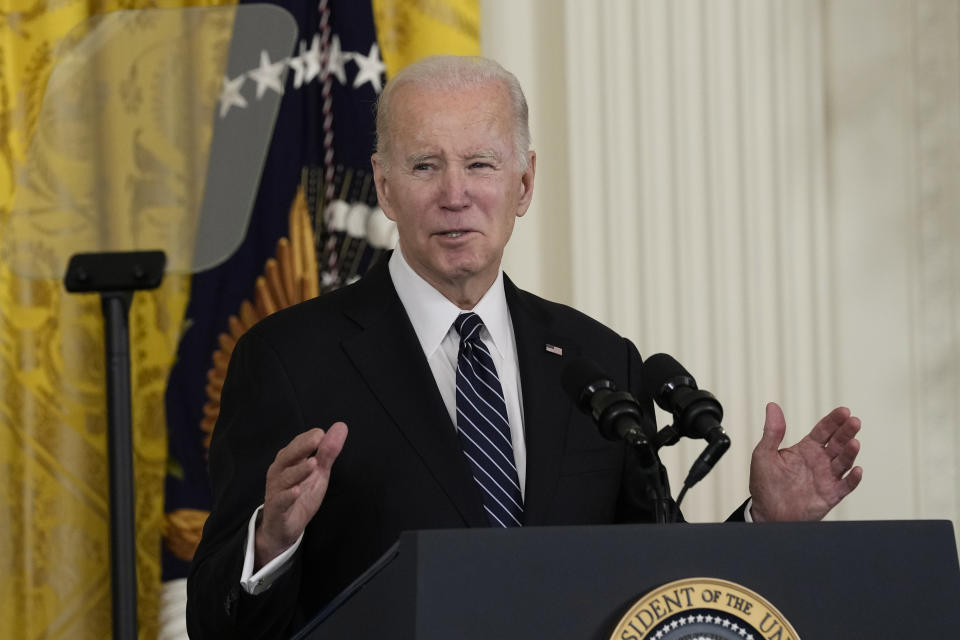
(453, 184)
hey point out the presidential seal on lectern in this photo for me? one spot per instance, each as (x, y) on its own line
(703, 609)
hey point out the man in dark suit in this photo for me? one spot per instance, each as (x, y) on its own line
(391, 357)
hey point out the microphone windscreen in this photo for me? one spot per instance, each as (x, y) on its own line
(578, 376)
(660, 369)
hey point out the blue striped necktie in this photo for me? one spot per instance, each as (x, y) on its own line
(483, 426)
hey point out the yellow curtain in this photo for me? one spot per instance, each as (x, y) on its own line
(54, 524)
(408, 30)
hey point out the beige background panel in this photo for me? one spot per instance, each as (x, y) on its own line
(766, 190)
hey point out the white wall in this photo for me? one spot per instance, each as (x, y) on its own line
(766, 189)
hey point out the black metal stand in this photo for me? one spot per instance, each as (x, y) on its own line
(655, 477)
(116, 276)
(651, 471)
(123, 552)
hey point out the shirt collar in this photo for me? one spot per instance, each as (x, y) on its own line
(432, 315)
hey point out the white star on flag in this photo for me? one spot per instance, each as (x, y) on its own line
(336, 61)
(268, 75)
(370, 69)
(312, 58)
(230, 94)
(298, 65)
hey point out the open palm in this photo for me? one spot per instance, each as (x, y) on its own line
(805, 481)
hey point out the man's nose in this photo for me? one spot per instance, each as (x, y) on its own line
(454, 190)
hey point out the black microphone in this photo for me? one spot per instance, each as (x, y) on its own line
(619, 417)
(696, 413)
(617, 413)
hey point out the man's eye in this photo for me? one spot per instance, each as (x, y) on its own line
(422, 166)
(481, 165)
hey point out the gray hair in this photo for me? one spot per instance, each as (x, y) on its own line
(452, 73)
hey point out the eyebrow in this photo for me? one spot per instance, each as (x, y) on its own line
(421, 157)
(482, 154)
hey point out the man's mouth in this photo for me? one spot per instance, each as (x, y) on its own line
(453, 234)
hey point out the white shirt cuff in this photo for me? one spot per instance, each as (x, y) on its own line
(746, 511)
(262, 580)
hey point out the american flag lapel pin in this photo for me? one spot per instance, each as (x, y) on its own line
(554, 350)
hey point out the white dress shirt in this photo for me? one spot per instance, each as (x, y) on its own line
(432, 317)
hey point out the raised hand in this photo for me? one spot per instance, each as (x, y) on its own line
(296, 483)
(808, 479)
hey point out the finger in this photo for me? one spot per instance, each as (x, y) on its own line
(331, 445)
(281, 501)
(292, 475)
(829, 424)
(842, 463)
(853, 478)
(774, 428)
(844, 434)
(299, 448)
(316, 451)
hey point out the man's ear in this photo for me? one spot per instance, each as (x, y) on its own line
(382, 186)
(526, 184)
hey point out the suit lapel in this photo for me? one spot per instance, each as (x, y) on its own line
(389, 358)
(545, 411)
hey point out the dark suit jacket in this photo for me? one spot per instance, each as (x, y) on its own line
(352, 355)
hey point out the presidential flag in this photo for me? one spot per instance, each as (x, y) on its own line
(315, 224)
